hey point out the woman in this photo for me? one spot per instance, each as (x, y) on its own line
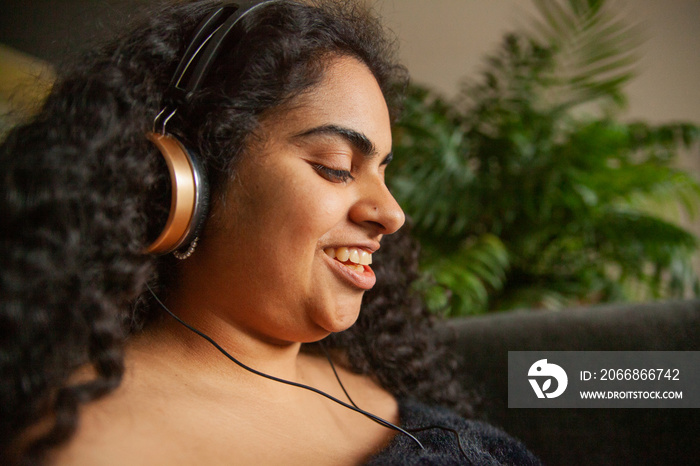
(112, 355)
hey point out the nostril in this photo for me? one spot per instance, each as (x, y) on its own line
(378, 225)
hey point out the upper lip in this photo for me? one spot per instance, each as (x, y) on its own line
(369, 246)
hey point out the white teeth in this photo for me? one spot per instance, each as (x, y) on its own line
(342, 254)
(365, 257)
(358, 257)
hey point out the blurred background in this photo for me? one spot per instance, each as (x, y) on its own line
(444, 41)
(550, 171)
(549, 153)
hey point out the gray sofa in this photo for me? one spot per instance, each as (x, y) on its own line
(582, 436)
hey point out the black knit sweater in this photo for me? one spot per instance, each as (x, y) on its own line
(482, 443)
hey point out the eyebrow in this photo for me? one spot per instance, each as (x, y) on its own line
(358, 140)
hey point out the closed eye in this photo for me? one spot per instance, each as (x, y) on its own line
(336, 176)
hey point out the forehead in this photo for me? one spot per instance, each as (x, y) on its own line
(348, 95)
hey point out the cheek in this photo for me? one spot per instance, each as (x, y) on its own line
(300, 211)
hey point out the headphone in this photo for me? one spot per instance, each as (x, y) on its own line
(189, 200)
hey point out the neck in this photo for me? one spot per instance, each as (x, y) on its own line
(196, 336)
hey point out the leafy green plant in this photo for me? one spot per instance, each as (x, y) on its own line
(528, 190)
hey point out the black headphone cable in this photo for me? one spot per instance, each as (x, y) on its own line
(352, 407)
(414, 430)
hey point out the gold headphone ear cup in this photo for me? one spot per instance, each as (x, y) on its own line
(186, 181)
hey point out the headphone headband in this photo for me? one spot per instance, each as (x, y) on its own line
(205, 47)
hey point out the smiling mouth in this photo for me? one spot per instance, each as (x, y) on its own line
(353, 258)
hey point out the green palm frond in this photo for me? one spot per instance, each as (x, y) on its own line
(594, 50)
(616, 225)
(460, 283)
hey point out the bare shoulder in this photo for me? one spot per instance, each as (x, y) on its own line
(147, 420)
(118, 429)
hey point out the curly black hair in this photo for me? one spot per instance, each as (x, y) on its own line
(82, 196)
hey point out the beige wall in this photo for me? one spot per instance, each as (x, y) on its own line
(444, 40)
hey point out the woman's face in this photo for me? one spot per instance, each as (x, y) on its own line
(309, 195)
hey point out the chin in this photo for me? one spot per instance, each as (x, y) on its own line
(344, 324)
(341, 319)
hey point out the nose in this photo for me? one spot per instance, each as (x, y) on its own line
(378, 208)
